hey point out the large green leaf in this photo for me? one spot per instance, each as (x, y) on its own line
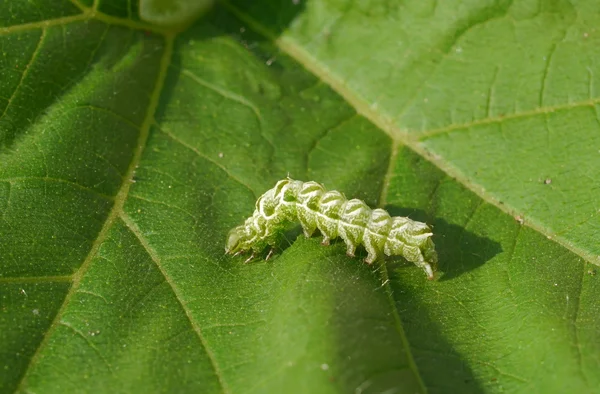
(128, 151)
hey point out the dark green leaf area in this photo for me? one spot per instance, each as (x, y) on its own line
(66, 150)
(275, 116)
(124, 330)
(28, 309)
(20, 12)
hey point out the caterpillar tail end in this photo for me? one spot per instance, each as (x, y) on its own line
(430, 258)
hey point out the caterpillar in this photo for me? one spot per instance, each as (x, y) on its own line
(335, 216)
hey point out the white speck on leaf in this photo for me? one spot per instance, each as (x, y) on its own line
(520, 219)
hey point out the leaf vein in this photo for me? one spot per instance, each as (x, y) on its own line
(89, 342)
(36, 279)
(157, 261)
(202, 155)
(389, 174)
(79, 5)
(499, 119)
(25, 72)
(225, 93)
(187, 213)
(13, 180)
(385, 277)
(575, 329)
(229, 95)
(120, 198)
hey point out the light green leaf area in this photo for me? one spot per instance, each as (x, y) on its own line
(128, 151)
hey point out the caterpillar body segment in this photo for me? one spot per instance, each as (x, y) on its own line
(335, 216)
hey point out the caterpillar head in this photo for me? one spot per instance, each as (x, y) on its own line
(237, 240)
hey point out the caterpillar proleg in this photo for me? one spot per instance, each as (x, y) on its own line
(335, 216)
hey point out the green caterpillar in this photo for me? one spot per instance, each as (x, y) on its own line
(334, 216)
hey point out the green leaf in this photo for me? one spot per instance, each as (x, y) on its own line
(127, 152)
(172, 12)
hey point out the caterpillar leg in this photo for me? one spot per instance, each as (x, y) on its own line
(429, 271)
(371, 257)
(372, 251)
(249, 258)
(325, 241)
(350, 249)
(308, 232)
(414, 255)
(427, 268)
(269, 254)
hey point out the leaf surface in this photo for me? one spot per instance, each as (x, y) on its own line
(128, 151)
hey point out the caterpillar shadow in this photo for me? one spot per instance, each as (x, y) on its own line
(459, 250)
(360, 299)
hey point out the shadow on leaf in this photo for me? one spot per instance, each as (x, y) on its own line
(459, 250)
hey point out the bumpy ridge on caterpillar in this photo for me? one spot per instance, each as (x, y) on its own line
(335, 216)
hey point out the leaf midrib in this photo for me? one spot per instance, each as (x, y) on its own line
(385, 277)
